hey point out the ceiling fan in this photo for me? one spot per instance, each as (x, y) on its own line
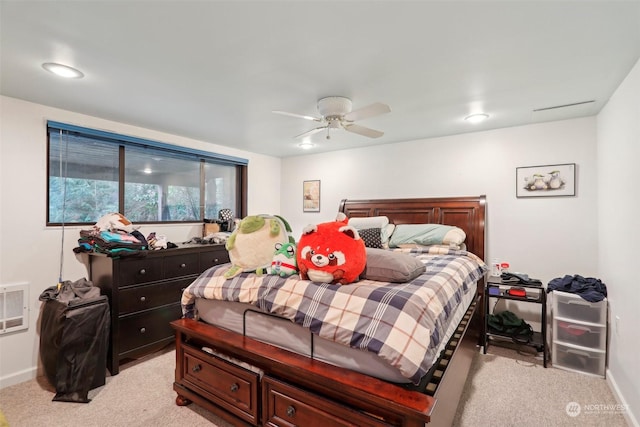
(335, 113)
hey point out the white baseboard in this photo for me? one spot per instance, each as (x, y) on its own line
(18, 377)
(628, 415)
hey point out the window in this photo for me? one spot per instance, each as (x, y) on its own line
(92, 173)
(160, 186)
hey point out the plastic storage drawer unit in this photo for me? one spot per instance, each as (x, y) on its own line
(574, 307)
(579, 359)
(580, 334)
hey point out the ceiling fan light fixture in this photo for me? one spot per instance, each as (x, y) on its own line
(334, 106)
(477, 118)
(63, 70)
(336, 113)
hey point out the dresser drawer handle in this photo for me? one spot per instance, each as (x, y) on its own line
(143, 298)
(143, 330)
(234, 387)
(183, 265)
(291, 411)
(196, 368)
(143, 271)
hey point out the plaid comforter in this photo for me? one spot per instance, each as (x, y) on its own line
(400, 322)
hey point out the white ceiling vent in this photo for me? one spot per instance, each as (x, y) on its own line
(555, 107)
(565, 111)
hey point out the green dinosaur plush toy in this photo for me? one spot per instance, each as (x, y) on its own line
(251, 245)
(284, 262)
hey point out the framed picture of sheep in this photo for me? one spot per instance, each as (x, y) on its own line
(546, 180)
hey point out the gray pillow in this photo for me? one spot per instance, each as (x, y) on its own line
(388, 266)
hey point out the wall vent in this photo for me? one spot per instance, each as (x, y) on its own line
(14, 310)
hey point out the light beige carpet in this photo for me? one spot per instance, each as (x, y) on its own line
(510, 387)
(505, 388)
(140, 395)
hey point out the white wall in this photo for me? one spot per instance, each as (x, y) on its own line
(618, 208)
(30, 251)
(539, 236)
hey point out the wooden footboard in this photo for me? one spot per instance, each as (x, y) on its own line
(252, 383)
(287, 389)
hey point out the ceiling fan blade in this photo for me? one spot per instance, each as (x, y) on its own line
(300, 116)
(311, 132)
(372, 110)
(361, 130)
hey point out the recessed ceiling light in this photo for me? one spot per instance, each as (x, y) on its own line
(477, 118)
(62, 70)
(306, 145)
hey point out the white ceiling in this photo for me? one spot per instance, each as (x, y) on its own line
(214, 70)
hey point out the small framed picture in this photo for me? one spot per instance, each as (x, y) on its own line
(546, 180)
(311, 196)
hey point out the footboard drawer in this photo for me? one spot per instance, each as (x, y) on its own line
(227, 385)
(284, 405)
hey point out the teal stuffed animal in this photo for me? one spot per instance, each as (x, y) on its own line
(252, 243)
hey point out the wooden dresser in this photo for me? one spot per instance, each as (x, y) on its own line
(144, 294)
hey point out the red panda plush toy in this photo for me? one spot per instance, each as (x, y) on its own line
(331, 252)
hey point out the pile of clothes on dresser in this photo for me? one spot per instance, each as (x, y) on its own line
(589, 288)
(116, 236)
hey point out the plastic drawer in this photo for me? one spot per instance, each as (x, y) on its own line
(579, 359)
(574, 307)
(580, 334)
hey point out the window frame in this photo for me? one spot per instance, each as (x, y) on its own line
(240, 164)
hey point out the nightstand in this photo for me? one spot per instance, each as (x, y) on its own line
(498, 289)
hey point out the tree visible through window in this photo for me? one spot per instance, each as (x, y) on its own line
(157, 183)
(161, 186)
(83, 179)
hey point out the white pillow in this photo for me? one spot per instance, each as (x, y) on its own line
(389, 231)
(369, 222)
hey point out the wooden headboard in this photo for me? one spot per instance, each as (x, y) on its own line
(467, 213)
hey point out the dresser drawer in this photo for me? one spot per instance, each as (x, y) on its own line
(210, 259)
(180, 265)
(284, 405)
(134, 271)
(147, 327)
(232, 387)
(146, 297)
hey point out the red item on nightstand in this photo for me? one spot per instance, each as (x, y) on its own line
(517, 292)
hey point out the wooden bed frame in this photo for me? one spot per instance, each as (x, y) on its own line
(248, 382)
